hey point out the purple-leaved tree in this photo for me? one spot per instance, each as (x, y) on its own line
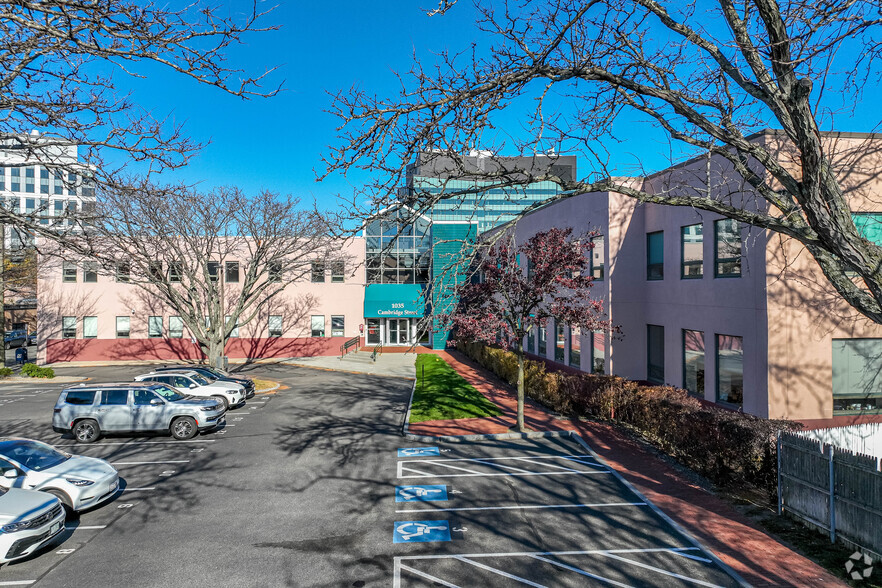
(510, 301)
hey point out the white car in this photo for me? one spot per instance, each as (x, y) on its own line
(78, 482)
(195, 384)
(28, 521)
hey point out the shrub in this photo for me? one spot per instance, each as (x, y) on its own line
(723, 445)
(34, 371)
(5, 372)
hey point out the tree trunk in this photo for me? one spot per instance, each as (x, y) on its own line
(216, 354)
(521, 427)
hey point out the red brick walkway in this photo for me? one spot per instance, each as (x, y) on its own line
(757, 557)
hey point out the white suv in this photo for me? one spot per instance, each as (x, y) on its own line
(28, 521)
(195, 384)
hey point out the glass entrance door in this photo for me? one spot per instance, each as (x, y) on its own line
(397, 331)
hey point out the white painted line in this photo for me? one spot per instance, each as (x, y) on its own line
(694, 557)
(453, 467)
(581, 571)
(525, 507)
(428, 577)
(532, 553)
(133, 443)
(84, 528)
(125, 463)
(509, 474)
(551, 465)
(499, 572)
(17, 583)
(127, 489)
(516, 458)
(660, 571)
(499, 465)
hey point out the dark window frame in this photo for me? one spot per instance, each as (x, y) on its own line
(653, 375)
(655, 271)
(718, 261)
(699, 263)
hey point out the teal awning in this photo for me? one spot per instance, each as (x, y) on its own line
(394, 300)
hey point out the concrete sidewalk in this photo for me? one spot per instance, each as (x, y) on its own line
(753, 554)
(399, 365)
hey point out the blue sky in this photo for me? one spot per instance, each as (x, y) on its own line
(322, 47)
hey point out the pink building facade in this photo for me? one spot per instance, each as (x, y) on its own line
(88, 316)
(737, 315)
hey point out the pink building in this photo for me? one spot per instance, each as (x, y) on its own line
(737, 315)
(84, 315)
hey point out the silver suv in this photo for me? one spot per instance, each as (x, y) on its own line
(87, 411)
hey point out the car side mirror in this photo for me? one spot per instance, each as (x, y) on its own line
(10, 474)
(192, 385)
(156, 402)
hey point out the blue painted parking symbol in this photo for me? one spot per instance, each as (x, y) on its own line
(418, 451)
(420, 493)
(421, 531)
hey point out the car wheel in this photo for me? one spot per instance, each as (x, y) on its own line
(65, 501)
(86, 431)
(223, 400)
(183, 428)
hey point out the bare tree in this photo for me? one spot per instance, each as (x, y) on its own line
(217, 259)
(710, 76)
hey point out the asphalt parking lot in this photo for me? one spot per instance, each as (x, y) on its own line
(310, 487)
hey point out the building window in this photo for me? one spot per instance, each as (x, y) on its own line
(727, 254)
(691, 252)
(154, 271)
(655, 354)
(598, 254)
(90, 271)
(90, 327)
(58, 208)
(274, 271)
(337, 326)
(231, 272)
(234, 332)
(175, 269)
(123, 273)
(398, 249)
(122, 327)
(68, 271)
(69, 327)
(542, 346)
(175, 327)
(655, 255)
(318, 271)
(15, 179)
(338, 272)
(598, 353)
(57, 183)
(317, 325)
(575, 347)
(559, 341)
(373, 331)
(857, 376)
(44, 181)
(693, 362)
(730, 370)
(29, 180)
(275, 325)
(2, 178)
(45, 212)
(154, 327)
(531, 340)
(71, 184)
(213, 270)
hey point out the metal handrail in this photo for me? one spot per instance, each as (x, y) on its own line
(348, 345)
(378, 350)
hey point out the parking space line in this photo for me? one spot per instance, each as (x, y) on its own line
(499, 572)
(524, 507)
(532, 553)
(576, 473)
(127, 489)
(133, 443)
(580, 571)
(499, 465)
(692, 557)
(661, 571)
(551, 465)
(129, 463)
(84, 528)
(17, 583)
(428, 577)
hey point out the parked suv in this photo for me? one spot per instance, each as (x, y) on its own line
(189, 382)
(28, 521)
(212, 373)
(88, 411)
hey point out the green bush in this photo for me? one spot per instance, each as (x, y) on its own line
(34, 371)
(5, 372)
(723, 445)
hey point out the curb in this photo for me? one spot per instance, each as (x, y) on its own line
(486, 437)
(695, 542)
(407, 415)
(268, 390)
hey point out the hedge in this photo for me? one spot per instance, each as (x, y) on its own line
(722, 445)
(35, 371)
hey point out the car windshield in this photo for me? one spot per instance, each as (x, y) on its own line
(201, 380)
(169, 394)
(33, 454)
(217, 372)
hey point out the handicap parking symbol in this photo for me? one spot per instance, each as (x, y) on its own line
(418, 451)
(420, 493)
(421, 531)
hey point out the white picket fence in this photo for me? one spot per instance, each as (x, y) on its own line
(835, 489)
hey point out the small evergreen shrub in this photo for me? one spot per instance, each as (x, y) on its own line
(34, 371)
(5, 372)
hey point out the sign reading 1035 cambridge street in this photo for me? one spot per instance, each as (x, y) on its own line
(394, 300)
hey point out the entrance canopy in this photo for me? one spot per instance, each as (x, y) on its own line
(394, 300)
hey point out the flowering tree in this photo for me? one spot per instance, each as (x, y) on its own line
(511, 300)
